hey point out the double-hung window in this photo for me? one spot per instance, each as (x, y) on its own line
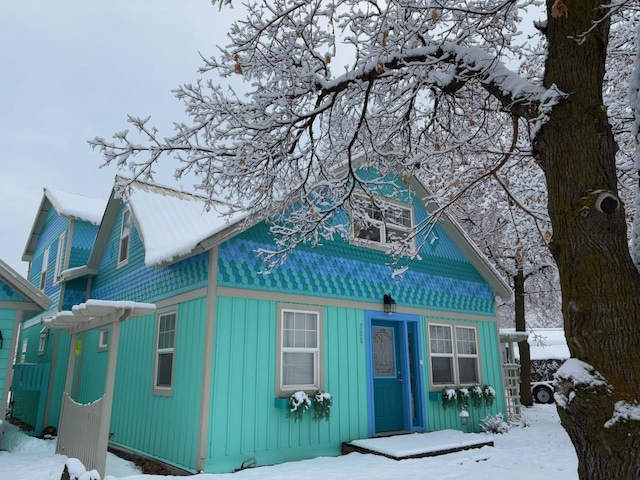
(125, 237)
(60, 255)
(300, 349)
(165, 349)
(43, 271)
(453, 351)
(383, 222)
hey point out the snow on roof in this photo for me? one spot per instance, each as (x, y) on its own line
(171, 222)
(77, 206)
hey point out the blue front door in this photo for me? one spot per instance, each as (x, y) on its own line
(388, 377)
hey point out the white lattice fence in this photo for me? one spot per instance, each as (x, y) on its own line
(80, 434)
(512, 390)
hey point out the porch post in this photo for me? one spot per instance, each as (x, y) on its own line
(105, 418)
(70, 364)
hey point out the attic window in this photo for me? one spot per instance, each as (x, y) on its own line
(383, 222)
(125, 235)
(60, 256)
(43, 271)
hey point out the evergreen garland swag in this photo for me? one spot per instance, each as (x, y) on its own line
(462, 397)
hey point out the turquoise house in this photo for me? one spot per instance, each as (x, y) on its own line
(203, 384)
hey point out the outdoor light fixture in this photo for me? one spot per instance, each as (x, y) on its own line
(464, 415)
(1, 340)
(389, 304)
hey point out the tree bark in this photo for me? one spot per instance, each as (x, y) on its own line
(526, 397)
(600, 284)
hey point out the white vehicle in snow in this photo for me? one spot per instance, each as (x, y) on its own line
(548, 348)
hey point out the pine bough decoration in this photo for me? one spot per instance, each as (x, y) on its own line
(462, 397)
(300, 403)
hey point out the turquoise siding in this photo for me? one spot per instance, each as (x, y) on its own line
(244, 420)
(439, 418)
(159, 426)
(58, 376)
(84, 234)
(8, 294)
(441, 279)
(7, 318)
(25, 403)
(135, 281)
(92, 372)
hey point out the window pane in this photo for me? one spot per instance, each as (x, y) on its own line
(288, 338)
(124, 249)
(440, 339)
(297, 368)
(384, 361)
(466, 341)
(468, 370)
(287, 320)
(165, 365)
(442, 369)
(371, 233)
(394, 234)
(166, 331)
(300, 330)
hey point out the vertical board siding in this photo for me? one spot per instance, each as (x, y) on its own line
(245, 422)
(58, 375)
(7, 317)
(159, 426)
(93, 371)
(439, 418)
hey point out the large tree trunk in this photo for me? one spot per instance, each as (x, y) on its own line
(600, 284)
(526, 397)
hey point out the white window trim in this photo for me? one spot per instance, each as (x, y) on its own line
(60, 257)
(103, 344)
(381, 224)
(23, 353)
(124, 234)
(156, 389)
(284, 391)
(43, 270)
(455, 355)
(42, 344)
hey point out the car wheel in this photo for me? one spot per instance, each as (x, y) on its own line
(543, 394)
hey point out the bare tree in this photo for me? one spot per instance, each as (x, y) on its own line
(417, 70)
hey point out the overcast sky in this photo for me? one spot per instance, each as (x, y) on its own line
(73, 69)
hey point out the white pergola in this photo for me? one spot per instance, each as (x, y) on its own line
(84, 429)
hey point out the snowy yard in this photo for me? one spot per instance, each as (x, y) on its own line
(541, 450)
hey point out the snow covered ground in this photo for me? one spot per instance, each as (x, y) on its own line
(541, 450)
